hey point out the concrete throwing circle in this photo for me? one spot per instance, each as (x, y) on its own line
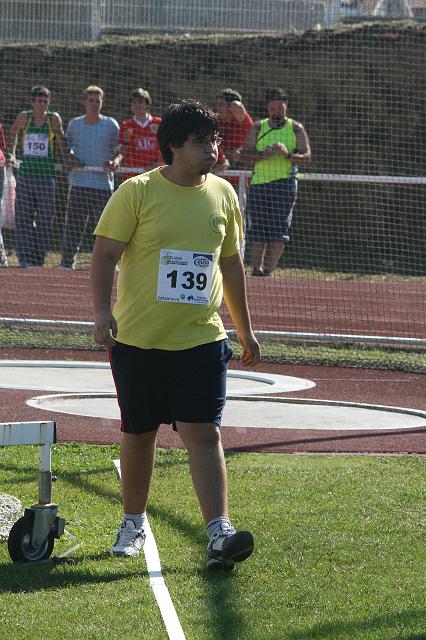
(255, 412)
(88, 390)
(96, 377)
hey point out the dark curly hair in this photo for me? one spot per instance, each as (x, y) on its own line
(182, 119)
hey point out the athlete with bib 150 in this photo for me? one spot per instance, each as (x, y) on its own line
(42, 135)
(177, 231)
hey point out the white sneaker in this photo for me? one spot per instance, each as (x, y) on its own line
(129, 540)
(228, 547)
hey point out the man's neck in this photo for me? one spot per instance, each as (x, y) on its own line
(181, 177)
(92, 118)
(142, 121)
(39, 118)
(275, 125)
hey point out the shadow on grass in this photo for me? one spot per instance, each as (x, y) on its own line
(222, 589)
(223, 596)
(340, 437)
(86, 481)
(57, 574)
(396, 623)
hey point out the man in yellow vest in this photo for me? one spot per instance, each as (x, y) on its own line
(277, 145)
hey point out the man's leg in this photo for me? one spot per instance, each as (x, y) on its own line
(281, 197)
(256, 205)
(257, 251)
(137, 461)
(273, 253)
(45, 197)
(207, 464)
(24, 216)
(98, 201)
(75, 224)
(137, 455)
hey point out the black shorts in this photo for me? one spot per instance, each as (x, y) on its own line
(161, 387)
(269, 210)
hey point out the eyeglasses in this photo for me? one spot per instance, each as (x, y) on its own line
(203, 141)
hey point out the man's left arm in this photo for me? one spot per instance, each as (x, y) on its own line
(302, 156)
(112, 163)
(234, 289)
(65, 154)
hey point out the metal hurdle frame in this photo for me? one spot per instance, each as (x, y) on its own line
(46, 524)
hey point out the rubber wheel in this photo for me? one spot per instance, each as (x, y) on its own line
(19, 542)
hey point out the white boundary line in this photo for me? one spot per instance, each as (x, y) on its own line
(298, 335)
(156, 581)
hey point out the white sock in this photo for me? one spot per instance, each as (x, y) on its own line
(138, 519)
(217, 525)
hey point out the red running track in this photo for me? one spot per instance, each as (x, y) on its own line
(277, 304)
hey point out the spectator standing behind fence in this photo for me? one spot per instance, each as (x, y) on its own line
(42, 134)
(138, 146)
(234, 125)
(93, 140)
(277, 145)
(3, 256)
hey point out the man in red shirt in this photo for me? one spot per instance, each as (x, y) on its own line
(138, 145)
(234, 125)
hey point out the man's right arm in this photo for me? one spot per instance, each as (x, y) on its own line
(249, 154)
(72, 162)
(106, 254)
(13, 135)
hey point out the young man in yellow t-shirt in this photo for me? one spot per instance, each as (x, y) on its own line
(177, 231)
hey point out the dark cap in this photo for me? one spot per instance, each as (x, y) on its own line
(229, 95)
(276, 94)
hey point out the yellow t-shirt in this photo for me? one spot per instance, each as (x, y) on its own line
(158, 218)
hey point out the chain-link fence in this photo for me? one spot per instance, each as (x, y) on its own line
(87, 20)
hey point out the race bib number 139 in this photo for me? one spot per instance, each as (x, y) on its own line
(185, 276)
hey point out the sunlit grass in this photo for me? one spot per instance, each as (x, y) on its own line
(339, 551)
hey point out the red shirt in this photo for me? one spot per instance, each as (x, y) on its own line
(2, 144)
(141, 149)
(234, 135)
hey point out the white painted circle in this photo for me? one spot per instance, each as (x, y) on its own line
(272, 413)
(95, 377)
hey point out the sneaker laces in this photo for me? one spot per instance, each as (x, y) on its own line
(127, 534)
(226, 529)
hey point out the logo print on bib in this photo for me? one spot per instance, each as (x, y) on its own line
(202, 262)
(166, 258)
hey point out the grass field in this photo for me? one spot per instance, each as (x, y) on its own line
(341, 355)
(339, 551)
